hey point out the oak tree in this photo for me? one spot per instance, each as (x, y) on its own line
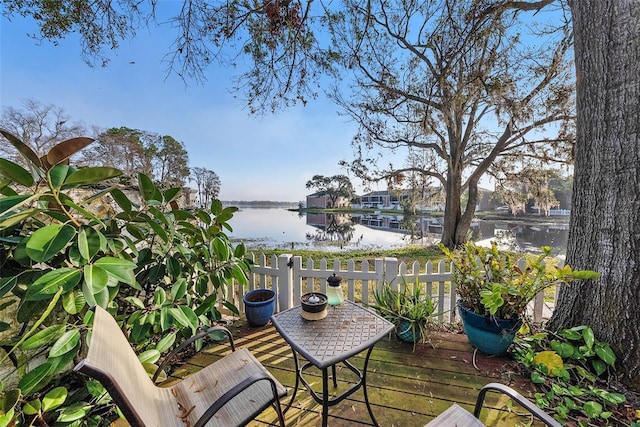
(332, 187)
(605, 216)
(462, 83)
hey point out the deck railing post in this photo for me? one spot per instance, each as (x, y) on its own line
(285, 282)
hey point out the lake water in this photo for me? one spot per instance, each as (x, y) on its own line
(279, 228)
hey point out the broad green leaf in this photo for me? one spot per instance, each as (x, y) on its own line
(208, 303)
(159, 230)
(7, 203)
(173, 267)
(92, 175)
(231, 307)
(83, 211)
(8, 419)
(66, 149)
(220, 248)
(87, 292)
(536, 378)
(103, 297)
(8, 399)
(35, 379)
(239, 274)
(148, 190)
(179, 289)
(122, 200)
(11, 220)
(585, 374)
(32, 407)
(48, 284)
(73, 302)
(166, 342)
(159, 296)
(563, 349)
(43, 338)
(76, 411)
(120, 268)
(598, 366)
(15, 173)
(57, 175)
(54, 398)
(149, 356)
(135, 301)
(95, 277)
(605, 353)
(7, 284)
(185, 317)
(592, 409)
(172, 193)
(66, 343)
(570, 334)
(89, 242)
(587, 335)
(47, 241)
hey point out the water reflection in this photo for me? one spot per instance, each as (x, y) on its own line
(279, 228)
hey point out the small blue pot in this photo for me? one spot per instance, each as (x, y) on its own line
(488, 334)
(259, 306)
(404, 331)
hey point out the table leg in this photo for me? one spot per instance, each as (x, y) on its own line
(325, 396)
(295, 388)
(364, 386)
(335, 378)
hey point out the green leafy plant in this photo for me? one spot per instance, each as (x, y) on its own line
(572, 368)
(72, 238)
(408, 308)
(490, 282)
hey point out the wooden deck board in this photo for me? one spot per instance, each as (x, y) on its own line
(405, 387)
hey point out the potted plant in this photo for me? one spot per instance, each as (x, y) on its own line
(408, 308)
(494, 291)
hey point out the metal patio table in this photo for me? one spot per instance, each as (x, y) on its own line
(348, 330)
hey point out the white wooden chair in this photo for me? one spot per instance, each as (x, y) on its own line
(229, 392)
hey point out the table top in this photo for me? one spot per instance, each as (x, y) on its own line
(347, 330)
(455, 415)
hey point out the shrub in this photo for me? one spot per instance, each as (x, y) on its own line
(71, 238)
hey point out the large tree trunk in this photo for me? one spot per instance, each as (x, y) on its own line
(605, 223)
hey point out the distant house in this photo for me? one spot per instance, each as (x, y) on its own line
(318, 201)
(382, 199)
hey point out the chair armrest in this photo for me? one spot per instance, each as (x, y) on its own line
(203, 333)
(523, 401)
(225, 398)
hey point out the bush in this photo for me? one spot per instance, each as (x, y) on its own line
(71, 238)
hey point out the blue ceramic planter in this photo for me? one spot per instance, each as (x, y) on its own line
(488, 334)
(404, 331)
(259, 306)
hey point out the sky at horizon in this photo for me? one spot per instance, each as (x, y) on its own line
(270, 157)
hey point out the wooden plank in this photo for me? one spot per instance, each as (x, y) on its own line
(405, 387)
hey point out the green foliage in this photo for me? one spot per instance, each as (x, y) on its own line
(406, 305)
(571, 368)
(160, 269)
(490, 282)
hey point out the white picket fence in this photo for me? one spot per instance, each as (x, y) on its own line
(286, 275)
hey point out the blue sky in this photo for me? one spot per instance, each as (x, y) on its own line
(257, 158)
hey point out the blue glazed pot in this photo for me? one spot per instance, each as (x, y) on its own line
(487, 334)
(404, 331)
(259, 306)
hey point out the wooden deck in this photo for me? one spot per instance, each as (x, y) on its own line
(406, 388)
